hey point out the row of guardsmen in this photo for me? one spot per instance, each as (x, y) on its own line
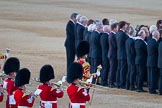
(18, 95)
(130, 58)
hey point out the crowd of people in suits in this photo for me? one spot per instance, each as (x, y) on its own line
(131, 58)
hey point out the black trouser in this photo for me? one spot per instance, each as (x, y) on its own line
(121, 73)
(131, 77)
(160, 82)
(95, 62)
(113, 70)
(153, 75)
(70, 55)
(105, 71)
(140, 74)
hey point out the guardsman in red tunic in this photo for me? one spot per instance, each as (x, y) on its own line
(1, 93)
(23, 100)
(78, 95)
(82, 51)
(11, 67)
(46, 91)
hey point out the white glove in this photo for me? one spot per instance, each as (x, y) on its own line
(98, 73)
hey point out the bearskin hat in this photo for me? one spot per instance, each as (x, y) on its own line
(12, 64)
(46, 73)
(22, 77)
(82, 49)
(75, 71)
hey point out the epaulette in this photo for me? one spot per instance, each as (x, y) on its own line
(86, 64)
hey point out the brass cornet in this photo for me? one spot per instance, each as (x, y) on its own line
(57, 84)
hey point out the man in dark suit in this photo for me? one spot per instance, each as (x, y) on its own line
(80, 29)
(75, 29)
(70, 40)
(121, 54)
(141, 59)
(131, 54)
(112, 55)
(96, 48)
(86, 36)
(91, 29)
(86, 31)
(151, 29)
(152, 61)
(105, 60)
(160, 66)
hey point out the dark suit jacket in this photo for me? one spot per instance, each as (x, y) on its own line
(75, 32)
(130, 50)
(141, 52)
(160, 55)
(152, 53)
(85, 34)
(95, 45)
(112, 53)
(70, 35)
(121, 51)
(148, 38)
(80, 31)
(104, 46)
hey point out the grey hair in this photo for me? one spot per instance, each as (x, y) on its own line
(152, 28)
(83, 19)
(78, 17)
(98, 23)
(155, 33)
(106, 27)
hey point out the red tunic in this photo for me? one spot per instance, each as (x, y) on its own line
(49, 94)
(86, 68)
(1, 94)
(22, 99)
(10, 88)
(78, 95)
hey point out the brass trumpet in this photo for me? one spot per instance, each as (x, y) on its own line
(3, 75)
(27, 91)
(57, 84)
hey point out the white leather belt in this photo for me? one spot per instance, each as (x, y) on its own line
(22, 107)
(78, 104)
(51, 102)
